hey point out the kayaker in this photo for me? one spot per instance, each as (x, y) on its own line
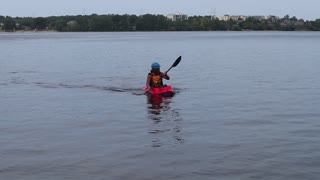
(154, 79)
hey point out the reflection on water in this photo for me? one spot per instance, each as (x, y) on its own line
(166, 126)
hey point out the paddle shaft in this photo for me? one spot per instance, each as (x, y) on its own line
(169, 69)
(177, 61)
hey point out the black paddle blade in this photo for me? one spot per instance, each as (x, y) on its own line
(176, 62)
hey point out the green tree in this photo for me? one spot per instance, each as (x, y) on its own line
(60, 25)
(205, 23)
(293, 19)
(286, 16)
(163, 23)
(9, 24)
(100, 23)
(118, 23)
(316, 24)
(147, 22)
(40, 23)
(133, 20)
(26, 23)
(73, 26)
(83, 23)
(195, 23)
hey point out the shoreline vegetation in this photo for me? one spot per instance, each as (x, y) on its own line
(151, 22)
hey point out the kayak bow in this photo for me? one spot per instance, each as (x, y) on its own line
(166, 90)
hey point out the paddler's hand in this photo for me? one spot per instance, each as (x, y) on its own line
(148, 89)
(166, 75)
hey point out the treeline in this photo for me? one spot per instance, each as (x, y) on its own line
(150, 22)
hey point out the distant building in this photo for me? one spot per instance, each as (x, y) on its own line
(224, 18)
(259, 17)
(243, 18)
(273, 19)
(214, 17)
(234, 18)
(177, 17)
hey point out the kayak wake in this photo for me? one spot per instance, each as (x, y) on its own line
(134, 91)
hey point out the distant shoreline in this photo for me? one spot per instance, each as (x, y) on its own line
(151, 22)
(29, 31)
(13, 32)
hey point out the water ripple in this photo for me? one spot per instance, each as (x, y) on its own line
(135, 91)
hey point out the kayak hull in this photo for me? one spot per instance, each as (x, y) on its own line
(164, 91)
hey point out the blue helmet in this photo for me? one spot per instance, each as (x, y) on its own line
(155, 65)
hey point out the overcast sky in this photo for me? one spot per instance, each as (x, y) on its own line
(305, 9)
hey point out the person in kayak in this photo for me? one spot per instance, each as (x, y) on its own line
(154, 78)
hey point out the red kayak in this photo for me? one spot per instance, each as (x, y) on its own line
(166, 90)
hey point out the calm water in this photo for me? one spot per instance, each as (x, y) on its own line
(247, 106)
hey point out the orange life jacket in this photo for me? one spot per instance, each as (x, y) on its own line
(156, 80)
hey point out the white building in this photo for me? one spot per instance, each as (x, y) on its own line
(273, 19)
(259, 17)
(235, 18)
(177, 17)
(243, 18)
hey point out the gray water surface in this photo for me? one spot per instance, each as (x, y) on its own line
(247, 106)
